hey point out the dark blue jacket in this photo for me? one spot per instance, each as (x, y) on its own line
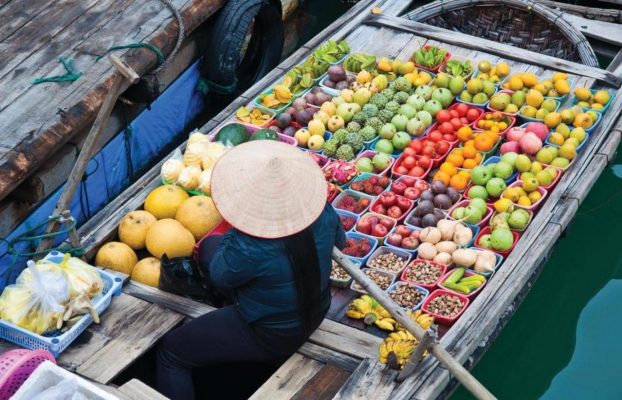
(259, 272)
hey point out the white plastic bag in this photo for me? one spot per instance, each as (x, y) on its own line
(36, 301)
(172, 167)
(67, 389)
(82, 278)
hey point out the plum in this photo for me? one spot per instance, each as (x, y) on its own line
(415, 221)
(438, 187)
(453, 194)
(439, 214)
(284, 120)
(336, 73)
(424, 207)
(442, 201)
(328, 83)
(428, 220)
(427, 195)
(311, 98)
(299, 104)
(342, 85)
(289, 131)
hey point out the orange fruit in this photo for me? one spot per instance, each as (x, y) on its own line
(442, 176)
(469, 152)
(478, 158)
(466, 174)
(448, 168)
(469, 143)
(455, 158)
(483, 142)
(464, 133)
(458, 182)
(470, 163)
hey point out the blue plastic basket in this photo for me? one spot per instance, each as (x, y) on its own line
(56, 342)
(579, 147)
(575, 100)
(590, 129)
(420, 289)
(344, 213)
(499, 258)
(520, 112)
(373, 242)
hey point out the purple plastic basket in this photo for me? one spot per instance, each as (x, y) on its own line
(16, 366)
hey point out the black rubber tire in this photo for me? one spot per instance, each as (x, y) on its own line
(224, 64)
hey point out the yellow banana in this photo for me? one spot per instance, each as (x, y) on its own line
(355, 314)
(387, 324)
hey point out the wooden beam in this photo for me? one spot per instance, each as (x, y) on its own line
(288, 379)
(605, 31)
(503, 50)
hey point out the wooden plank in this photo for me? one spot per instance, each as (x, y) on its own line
(18, 13)
(128, 328)
(605, 31)
(339, 337)
(324, 385)
(371, 380)
(327, 356)
(503, 50)
(137, 390)
(602, 14)
(288, 379)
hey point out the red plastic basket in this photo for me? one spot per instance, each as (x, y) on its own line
(16, 366)
(487, 231)
(219, 229)
(436, 67)
(439, 318)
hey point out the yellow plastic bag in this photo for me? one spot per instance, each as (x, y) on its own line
(37, 300)
(82, 277)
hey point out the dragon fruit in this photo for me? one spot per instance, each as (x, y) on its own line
(340, 172)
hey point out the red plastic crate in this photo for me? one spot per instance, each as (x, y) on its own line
(439, 318)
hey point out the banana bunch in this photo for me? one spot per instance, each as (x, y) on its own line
(424, 320)
(396, 353)
(368, 309)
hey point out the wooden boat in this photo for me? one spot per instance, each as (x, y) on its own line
(339, 360)
(44, 126)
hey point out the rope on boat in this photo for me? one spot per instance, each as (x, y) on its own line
(137, 45)
(31, 236)
(70, 76)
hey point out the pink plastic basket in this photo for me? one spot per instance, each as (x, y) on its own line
(16, 366)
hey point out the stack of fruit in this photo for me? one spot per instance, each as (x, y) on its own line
(507, 102)
(462, 282)
(432, 202)
(352, 202)
(403, 237)
(516, 218)
(370, 184)
(393, 205)
(433, 146)
(376, 162)
(430, 58)
(495, 121)
(466, 157)
(556, 87)
(495, 74)
(455, 67)
(489, 181)
(451, 176)
(455, 84)
(478, 91)
(358, 247)
(497, 237)
(527, 194)
(254, 116)
(409, 187)
(592, 100)
(526, 139)
(340, 172)
(347, 221)
(563, 135)
(472, 211)
(375, 225)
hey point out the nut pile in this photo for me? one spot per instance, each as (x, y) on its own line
(423, 272)
(445, 305)
(406, 296)
(383, 280)
(338, 273)
(387, 261)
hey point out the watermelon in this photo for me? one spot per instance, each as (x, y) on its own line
(233, 134)
(265, 134)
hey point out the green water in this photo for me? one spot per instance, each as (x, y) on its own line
(563, 342)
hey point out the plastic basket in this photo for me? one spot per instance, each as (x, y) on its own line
(16, 366)
(250, 108)
(276, 111)
(385, 250)
(391, 275)
(404, 212)
(373, 243)
(579, 147)
(435, 68)
(443, 67)
(463, 203)
(420, 289)
(591, 128)
(496, 159)
(439, 318)
(56, 342)
(370, 154)
(575, 100)
(412, 252)
(487, 231)
(344, 213)
(472, 106)
(363, 176)
(398, 162)
(356, 195)
(379, 216)
(413, 264)
(520, 112)
(509, 92)
(512, 122)
(467, 273)
(344, 283)
(534, 207)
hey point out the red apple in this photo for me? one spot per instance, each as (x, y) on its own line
(399, 187)
(415, 234)
(401, 170)
(394, 239)
(412, 193)
(394, 212)
(408, 181)
(424, 162)
(421, 185)
(379, 209)
(416, 172)
(408, 151)
(379, 230)
(403, 203)
(402, 230)
(364, 226)
(472, 114)
(386, 222)
(410, 243)
(387, 199)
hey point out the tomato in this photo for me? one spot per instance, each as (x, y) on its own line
(409, 162)
(450, 137)
(464, 120)
(446, 128)
(442, 147)
(424, 162)
(462, 109)
(454, 114)
(409, 151)
(472, 114)
(436, 135)
(443, 116)
(416, 145)
(455, 122)
(402, 170)
(429, 151)
(416, 171)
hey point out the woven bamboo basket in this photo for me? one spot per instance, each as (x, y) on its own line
(518, 23)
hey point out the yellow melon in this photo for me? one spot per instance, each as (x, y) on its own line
(116, 256)
(133, 228)
(163, 201)
(147, 271)
(168, 236)
(199, 215)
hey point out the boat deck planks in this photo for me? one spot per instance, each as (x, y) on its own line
(37, 120)
(337, 349)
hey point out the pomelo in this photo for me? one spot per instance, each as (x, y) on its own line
(199, 215)
(168, 236)
(116, 256)
(133, 228)
(147, 271)
(163, 201)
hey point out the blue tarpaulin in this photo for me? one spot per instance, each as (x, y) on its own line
(109, 172)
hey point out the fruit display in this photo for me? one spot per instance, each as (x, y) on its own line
(440, 242)
(478, 91)
(397, 348)
(445, 305)
(332, 52)
(352, 202)
(466, 157)
(409, 187)
(375, 225)
(403, 237)
(563, 135)
(338, 273)
(407, 296)
(347, 222)
(381, 278)
(526, 193)
(473, 211)
(449, 122)
(253, 116)
(490, 180)
(392, 205)
(358, 62)
(466, 113)
(340, 172)
(357, 247)
(370, 311)
(592, 100)
(417, 167)
(372, 185)
(516, 219)
(387, 260)
(556, 87)
(337, 78)
(498, 237)
(423, 273)
(430, 57)
(507, 102)
(463, 282)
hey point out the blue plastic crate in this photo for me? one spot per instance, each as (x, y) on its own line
(56, 342)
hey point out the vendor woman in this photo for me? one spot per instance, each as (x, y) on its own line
(275, 262)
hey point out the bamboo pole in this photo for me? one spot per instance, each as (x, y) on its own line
(455, 368)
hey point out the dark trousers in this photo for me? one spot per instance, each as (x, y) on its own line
(221, 336)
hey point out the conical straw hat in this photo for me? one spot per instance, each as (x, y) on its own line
(268, 189)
